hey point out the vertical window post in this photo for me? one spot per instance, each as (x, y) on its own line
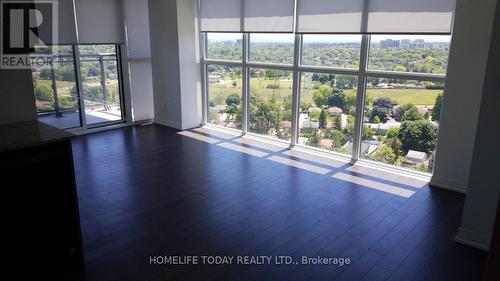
(204, 78)
(103, 81)
(360, 98)
(54, 90)
(79, 85)
(246, 85)
(296, 89)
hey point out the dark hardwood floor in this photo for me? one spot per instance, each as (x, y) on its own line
(148, 191)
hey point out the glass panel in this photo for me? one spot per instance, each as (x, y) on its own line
(409, 53)
(271, 102)
(56, 97)
(225, 96)
(101, 85)
(271, 48)
(327, 108)
(331, 50)
(401, 122)
(224, 46)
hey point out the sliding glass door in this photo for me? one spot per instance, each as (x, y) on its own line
(81, 89)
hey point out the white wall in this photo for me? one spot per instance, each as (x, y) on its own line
(16, 96)
(136, 16)
(484, 181)
(462, 96)
(141, 89)
(189, 53)
(175, 66)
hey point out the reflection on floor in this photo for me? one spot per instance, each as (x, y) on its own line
(71, 119)
(338, 169)
(153, 191)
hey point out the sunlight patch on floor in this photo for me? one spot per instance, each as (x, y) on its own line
(375, 185)
(300, 165)
(242, 149)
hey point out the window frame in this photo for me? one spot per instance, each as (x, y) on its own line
(78, 81)
(362, 73)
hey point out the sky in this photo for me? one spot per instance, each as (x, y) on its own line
(256, 37)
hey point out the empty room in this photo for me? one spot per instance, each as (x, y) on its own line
(250, 139)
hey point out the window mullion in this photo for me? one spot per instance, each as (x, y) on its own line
(204, 78)
(296, 89)
(79, 85)
(360, 97)
(245, 84)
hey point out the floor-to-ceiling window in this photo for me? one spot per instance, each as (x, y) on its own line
(357, 84)
(402, 94)
(81, 89)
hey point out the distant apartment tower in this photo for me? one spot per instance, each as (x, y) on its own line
(389, 43)
(405, 43)
(418, 44)
(415, 44)
(229, 43)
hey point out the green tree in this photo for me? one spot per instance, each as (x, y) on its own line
(400, 111)
(350, 98)
(395, 144)
(315, 139)
(45, 74)
(324, 78)
(346, 81)
(273, 74)
(338, 99)
(265, 115)
(366, 133)
(383, 153)
(436, 110)
(44, 93)
(322, 119)
(321, 96)
(233, 101)
(418, 135)
(338, 122)
(400, 68)
(382, 108)
(412, 114)
(376, 119)
(392, 133)
(338, 138)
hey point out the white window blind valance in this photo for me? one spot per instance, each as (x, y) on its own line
(64, 31)
(66, 22)
(317, 16)
(247, 15)
(268, 15)
(99, 21)
(221, 15)
(410, 16)
(328, 16)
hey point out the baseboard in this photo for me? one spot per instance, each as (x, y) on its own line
(473, 239)
(143, 122)
(168, 123)
(190, 126)
(448, 184)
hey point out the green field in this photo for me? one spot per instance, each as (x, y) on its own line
(404, 96)
(62, 86)
(219, 92)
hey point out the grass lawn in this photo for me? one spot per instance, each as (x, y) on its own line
(404, 96)
(60, 84)
(218, 92)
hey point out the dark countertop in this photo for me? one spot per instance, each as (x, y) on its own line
(28, 134)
